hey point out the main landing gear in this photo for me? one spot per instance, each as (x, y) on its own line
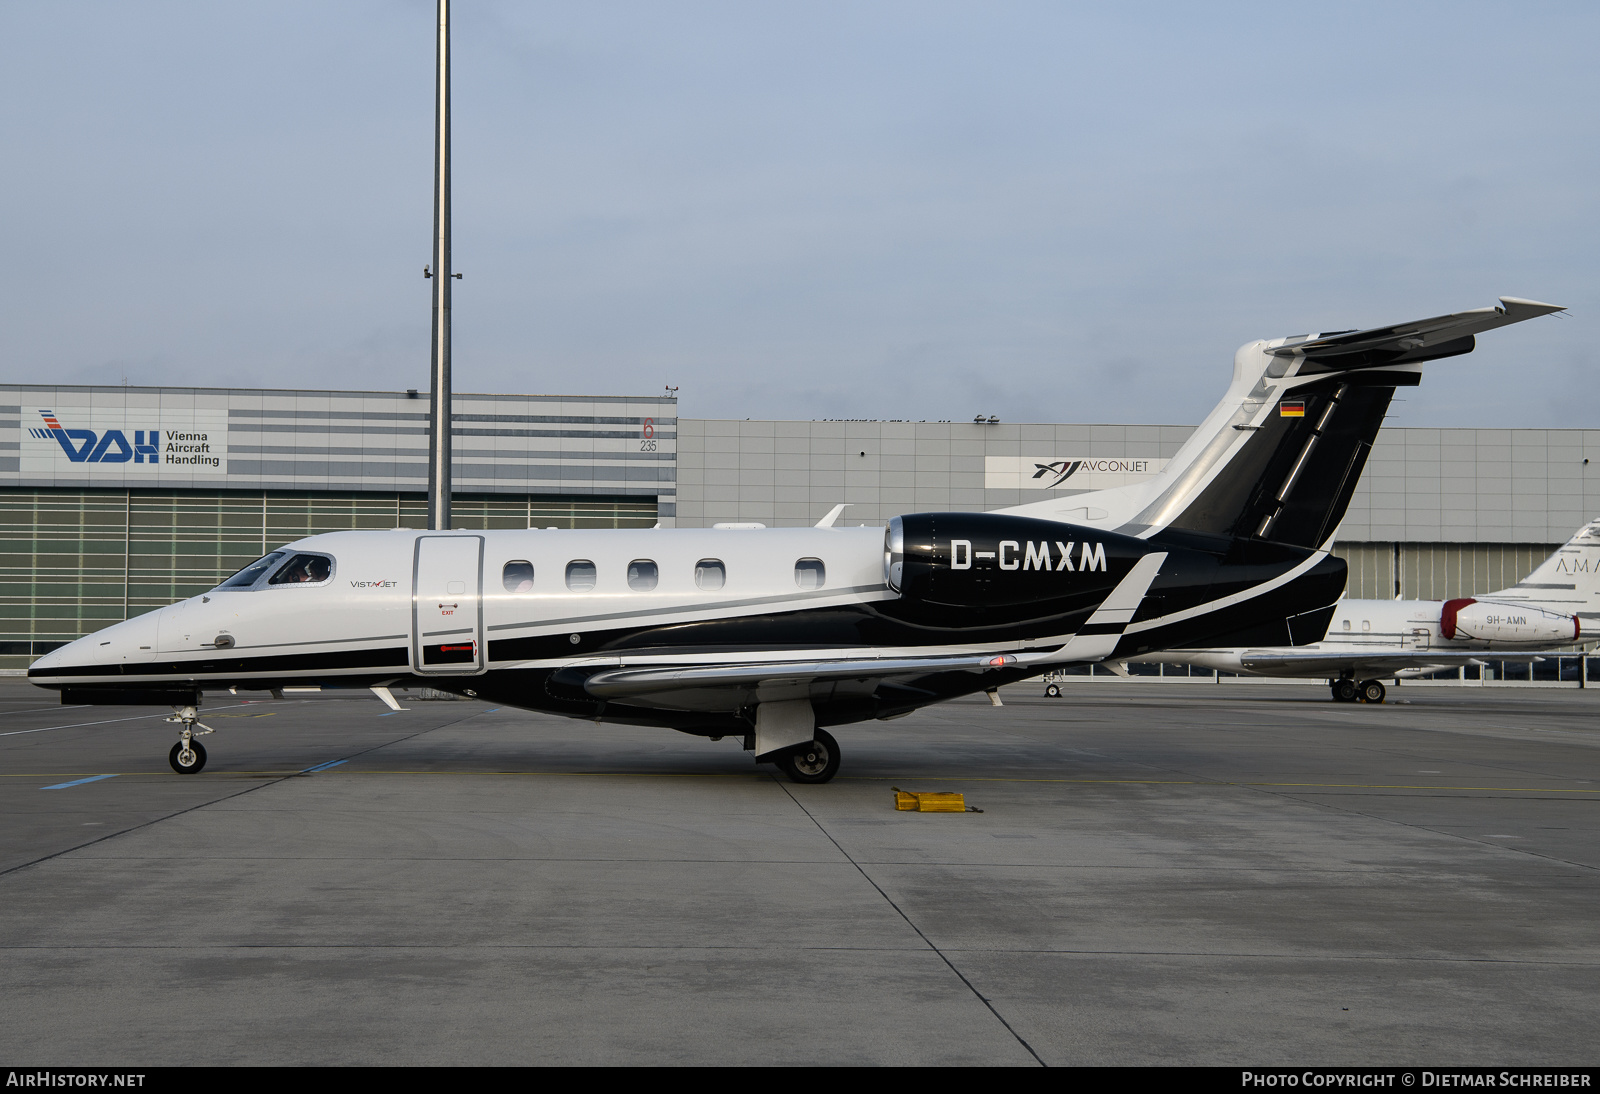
(816, 762)
(1368, 691)
(188, 756)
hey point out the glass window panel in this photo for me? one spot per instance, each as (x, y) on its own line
(581, 575)
(518, 576)
(302, 570)
(809, 573)
(710, 574)
(642, 575)
(247, 576)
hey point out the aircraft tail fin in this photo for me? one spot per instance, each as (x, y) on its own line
(1279, 457)
(1568, 580)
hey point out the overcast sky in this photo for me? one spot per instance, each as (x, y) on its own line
(1045, 211)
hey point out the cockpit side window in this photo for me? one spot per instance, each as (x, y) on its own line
(303, 570)
(252, 573)
(518, 576)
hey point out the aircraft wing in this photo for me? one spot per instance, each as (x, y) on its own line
(1419, 340)
(1375, 663)
(626, 683)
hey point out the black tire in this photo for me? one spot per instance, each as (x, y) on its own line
(1373, 691)
(1346, 691)
(816, 762)
(197, 756)
(1053, 691)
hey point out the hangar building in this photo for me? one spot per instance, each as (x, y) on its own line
(116, 500)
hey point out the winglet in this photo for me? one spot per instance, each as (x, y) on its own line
(833, 514)
(1528, 309)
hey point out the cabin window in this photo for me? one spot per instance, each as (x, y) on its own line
(251, 573)
(809, 573)
(1366, 624)
(1347, 624)
(518, 576)
(642, 575)
(303, 570)
(710, 574)
(580, 575)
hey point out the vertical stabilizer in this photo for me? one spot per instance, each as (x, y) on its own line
(1280, 456)
(1567, 582)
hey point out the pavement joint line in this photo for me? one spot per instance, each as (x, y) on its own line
(910, 923)
(105, 722)
(9, 870)
(1276, 789)
(761, 947)
(857, 778)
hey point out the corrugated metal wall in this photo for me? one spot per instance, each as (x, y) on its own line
(1438, 571)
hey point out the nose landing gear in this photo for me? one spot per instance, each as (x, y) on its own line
(188, 756)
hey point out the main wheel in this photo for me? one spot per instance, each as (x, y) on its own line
(1053, 691)
(1345, 691)
(1373, 691)
(816, 762)
(187, 761)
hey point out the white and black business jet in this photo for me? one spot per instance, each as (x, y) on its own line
(1557, 605)
(770, 635)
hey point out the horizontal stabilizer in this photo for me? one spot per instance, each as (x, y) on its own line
(1420, 340)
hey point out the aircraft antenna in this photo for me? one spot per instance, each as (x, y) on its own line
(439, 409)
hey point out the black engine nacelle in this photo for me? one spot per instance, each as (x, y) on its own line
(980, 560)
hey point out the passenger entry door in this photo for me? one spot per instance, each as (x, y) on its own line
(447, 606)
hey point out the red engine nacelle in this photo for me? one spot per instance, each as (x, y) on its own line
(1489, 622)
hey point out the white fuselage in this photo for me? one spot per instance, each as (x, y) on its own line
(1377, 627)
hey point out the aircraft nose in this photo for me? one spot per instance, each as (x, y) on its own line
(73, 654)
(130, 640)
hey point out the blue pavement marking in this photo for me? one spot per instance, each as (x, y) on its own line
(386, 713)
(324, 767)
(77, 782)
(491, 710)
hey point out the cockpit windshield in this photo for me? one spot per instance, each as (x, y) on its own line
(251, 573)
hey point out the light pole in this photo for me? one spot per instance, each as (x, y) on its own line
(439, 397)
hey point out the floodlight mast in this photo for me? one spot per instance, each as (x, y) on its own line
(439, 416)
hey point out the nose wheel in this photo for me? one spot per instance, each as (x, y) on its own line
(188, 756)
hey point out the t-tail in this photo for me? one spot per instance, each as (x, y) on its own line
(1280, 456)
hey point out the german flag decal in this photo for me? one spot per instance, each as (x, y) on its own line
(1292, 408)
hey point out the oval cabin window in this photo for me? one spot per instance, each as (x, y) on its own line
(642, 575)
(710, 574)
(518, 576)
(809, 573)
(580, 575)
